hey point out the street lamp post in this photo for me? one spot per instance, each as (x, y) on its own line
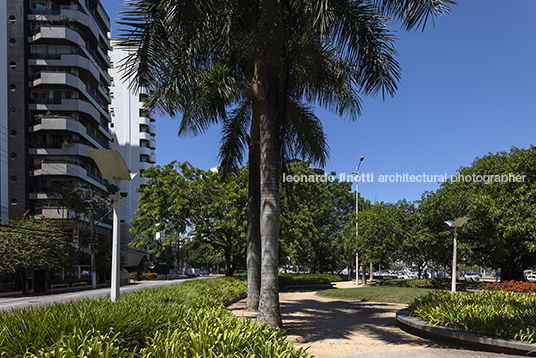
(113, 167)
(356, 217)
(455, 224)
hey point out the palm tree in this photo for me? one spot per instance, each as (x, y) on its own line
(202, 57)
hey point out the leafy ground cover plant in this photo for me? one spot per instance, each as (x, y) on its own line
(513, 286)
(492, 313)
(188, 318)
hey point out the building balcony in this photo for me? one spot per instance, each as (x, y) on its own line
(67, 78)
(70, 125)
(73, 169)
(148, 114)
(146, 121)
(143, 150)
(151, 158)
(104, 16)
(74, 13)
(55, 78)
(152, 143)
(51, 33)
(68, 104)
(71, 60)
(54, 32)
(152, 130)
(58, 124)
(75, 149)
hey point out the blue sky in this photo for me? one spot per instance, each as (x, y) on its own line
(468, 88)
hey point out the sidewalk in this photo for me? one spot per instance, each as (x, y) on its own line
(353, 329)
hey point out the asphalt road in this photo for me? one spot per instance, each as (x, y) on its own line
(8, 303)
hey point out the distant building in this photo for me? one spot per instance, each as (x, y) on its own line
(133, 132)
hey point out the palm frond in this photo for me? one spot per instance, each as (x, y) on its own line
(414, 13)
(321, 77)
(303, 134)
(235, 137)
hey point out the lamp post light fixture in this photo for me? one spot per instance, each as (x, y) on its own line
(455, 224)
(113, 167)
(356, 217)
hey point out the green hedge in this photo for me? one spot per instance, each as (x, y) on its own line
(496, 314)
(184, 320)
(289, 279)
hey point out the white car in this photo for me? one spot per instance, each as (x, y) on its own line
(472, 276)
(531, 277)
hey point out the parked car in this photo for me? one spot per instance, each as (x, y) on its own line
(472, 276)
(190, 272)
(531, 277)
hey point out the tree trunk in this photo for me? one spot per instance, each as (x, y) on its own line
(253, 261)
(269, 224)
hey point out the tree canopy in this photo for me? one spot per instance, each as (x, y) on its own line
(31, 242)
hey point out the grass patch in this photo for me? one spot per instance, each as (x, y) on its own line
(379, 294)
(496, 314)
(184, 320)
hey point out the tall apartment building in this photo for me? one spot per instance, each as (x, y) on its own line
(57, 100)
(133, 132)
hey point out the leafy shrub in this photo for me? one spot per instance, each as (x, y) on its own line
(492, 313)
(513, 286)
(288, 279)
(152, 322)
(151, 276)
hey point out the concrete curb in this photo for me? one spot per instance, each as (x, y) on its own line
(10, 293)
(233, 300)
(492, 344)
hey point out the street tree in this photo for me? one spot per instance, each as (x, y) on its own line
(271, 42)
(32, 243)
(498, 193)
(87, 207)
(180, 199)
(315, 209)
(165, 205)
(220, 215)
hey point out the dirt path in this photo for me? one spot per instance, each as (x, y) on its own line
(335, 327)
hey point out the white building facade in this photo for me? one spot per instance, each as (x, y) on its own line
(133, 132)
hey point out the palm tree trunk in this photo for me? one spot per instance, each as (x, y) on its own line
(269, 130)
(254, 232)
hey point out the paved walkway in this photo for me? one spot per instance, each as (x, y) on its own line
(352, 329)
